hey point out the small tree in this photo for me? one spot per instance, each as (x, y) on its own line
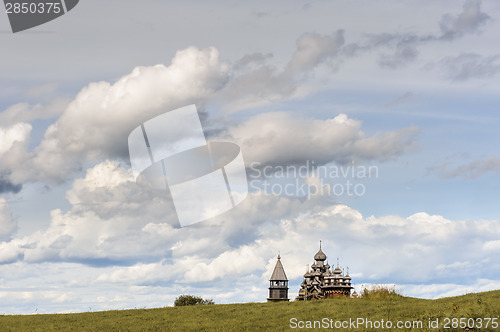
(183, 300)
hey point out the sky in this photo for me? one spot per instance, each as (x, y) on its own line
(394, 104)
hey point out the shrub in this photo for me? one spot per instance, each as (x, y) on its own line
(184, 300)
(380, 292)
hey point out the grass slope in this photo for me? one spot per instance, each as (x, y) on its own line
(267, 316)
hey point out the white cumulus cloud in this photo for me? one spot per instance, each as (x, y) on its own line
(95, 125)
(281, 138)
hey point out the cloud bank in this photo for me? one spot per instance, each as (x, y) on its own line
(112, 224)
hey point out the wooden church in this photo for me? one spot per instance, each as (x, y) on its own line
(320, 282)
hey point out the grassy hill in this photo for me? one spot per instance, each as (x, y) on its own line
(278, 316)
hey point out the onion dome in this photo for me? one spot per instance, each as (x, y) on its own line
(327, 267)
(320, 255)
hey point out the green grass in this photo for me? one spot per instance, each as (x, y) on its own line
(266, 316)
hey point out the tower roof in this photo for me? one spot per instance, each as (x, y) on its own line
(320, 255)
(279, 272)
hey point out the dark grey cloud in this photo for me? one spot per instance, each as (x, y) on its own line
(470, 65)
(399, 49)
(471, 170)
(403, 54)
(468, 21)
(258, 83)
(8, 187)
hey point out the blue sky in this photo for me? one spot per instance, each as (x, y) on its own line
(408, 87)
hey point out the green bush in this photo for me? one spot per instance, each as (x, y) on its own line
(380, 292)
(184, 300)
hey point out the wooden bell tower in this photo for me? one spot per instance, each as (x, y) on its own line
(278, 284)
